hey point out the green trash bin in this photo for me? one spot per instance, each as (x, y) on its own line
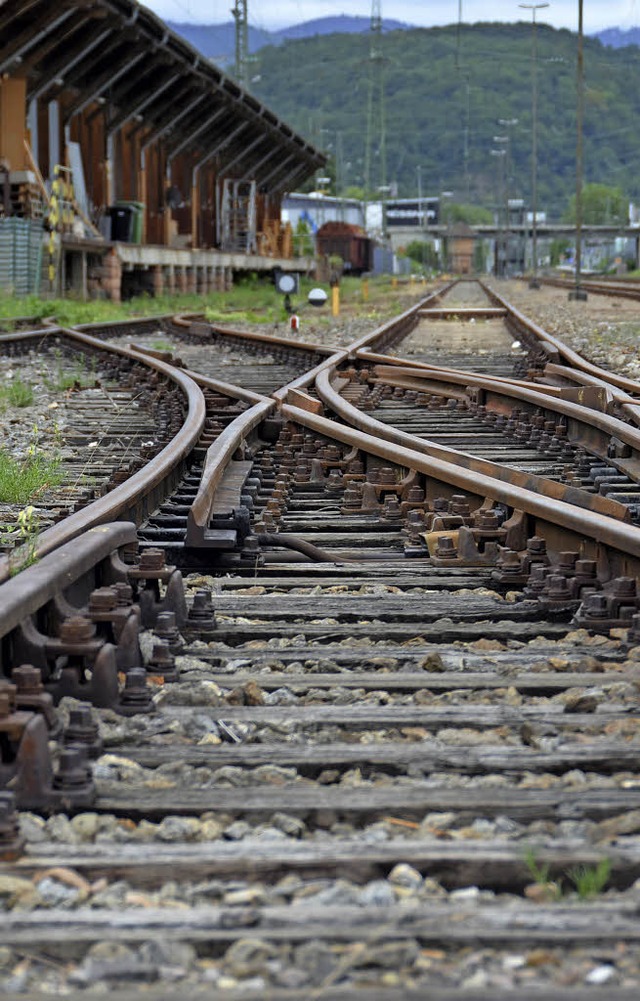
(137, 218)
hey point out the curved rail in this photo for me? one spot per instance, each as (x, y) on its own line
(528, 481)
(588, 526)
(139, 489)
(576, 361)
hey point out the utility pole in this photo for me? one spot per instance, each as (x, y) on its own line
(241, 18)
(507, 123)
(376, 118)
(533, 7)
(578, 292)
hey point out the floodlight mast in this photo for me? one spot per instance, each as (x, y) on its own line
(241, 17)
(533, 7)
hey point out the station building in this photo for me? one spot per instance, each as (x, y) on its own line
(129, 162)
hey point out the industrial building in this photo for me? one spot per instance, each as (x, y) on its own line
(128, 161)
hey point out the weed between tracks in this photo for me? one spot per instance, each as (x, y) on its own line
(588, 880)
(17, 394)
(23, 480)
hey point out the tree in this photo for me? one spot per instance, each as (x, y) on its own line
(422, 252)
(601, 204)
(473, 215)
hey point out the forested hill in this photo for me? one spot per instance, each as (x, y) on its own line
(446, 89)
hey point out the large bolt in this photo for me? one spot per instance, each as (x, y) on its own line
(73, 772)
(27, 679)
(76, 629)
(103, 599)
(162, 662)
(152, 560)
(83, 729)
(445, 548)
(136, 694)
(166, 629)
(202, 611)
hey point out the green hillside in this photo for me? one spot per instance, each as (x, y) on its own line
(446, 89)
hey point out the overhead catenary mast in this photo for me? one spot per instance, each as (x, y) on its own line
(375, 176)
(241, 18)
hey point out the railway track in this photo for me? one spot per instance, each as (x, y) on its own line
(364, 684)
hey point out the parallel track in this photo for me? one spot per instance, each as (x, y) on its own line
(367, 758)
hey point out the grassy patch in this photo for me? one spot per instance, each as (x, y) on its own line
(22, 480)
(18, 393)
(74, 373)
(251, 300)
(590, 880)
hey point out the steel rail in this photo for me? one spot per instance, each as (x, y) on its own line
(572, 357)
(184, 320)
(29, 590)
(225, 388)
(218, 455)
(598, 288)
(529, 481)
(124, 498)
(587, 525)
(459, 376)
(610, 426)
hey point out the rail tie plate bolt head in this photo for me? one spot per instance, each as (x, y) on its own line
(136, 696)
(166, 629)
(83, 729)
(162, 662)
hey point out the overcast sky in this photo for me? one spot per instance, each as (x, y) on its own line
(281, 13)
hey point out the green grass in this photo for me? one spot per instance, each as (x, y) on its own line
(590, 880)
(72, 373)
(251, 300)
(22, 480)
(539, 872)
(17, 393)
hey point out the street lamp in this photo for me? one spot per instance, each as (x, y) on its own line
(506, 123)
(578, 292)
(447, 195)
(384, 190)
(500, 269)
(533, 7)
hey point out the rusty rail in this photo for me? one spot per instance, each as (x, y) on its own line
(139, 488)
(575, 360)
(218, 455)
(24, 594)
(527, 481)
(590, 529)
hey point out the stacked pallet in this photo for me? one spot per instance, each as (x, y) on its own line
(25, 197)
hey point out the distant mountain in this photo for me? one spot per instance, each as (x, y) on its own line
(217, 41)
(616, 38)
(342, 24)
